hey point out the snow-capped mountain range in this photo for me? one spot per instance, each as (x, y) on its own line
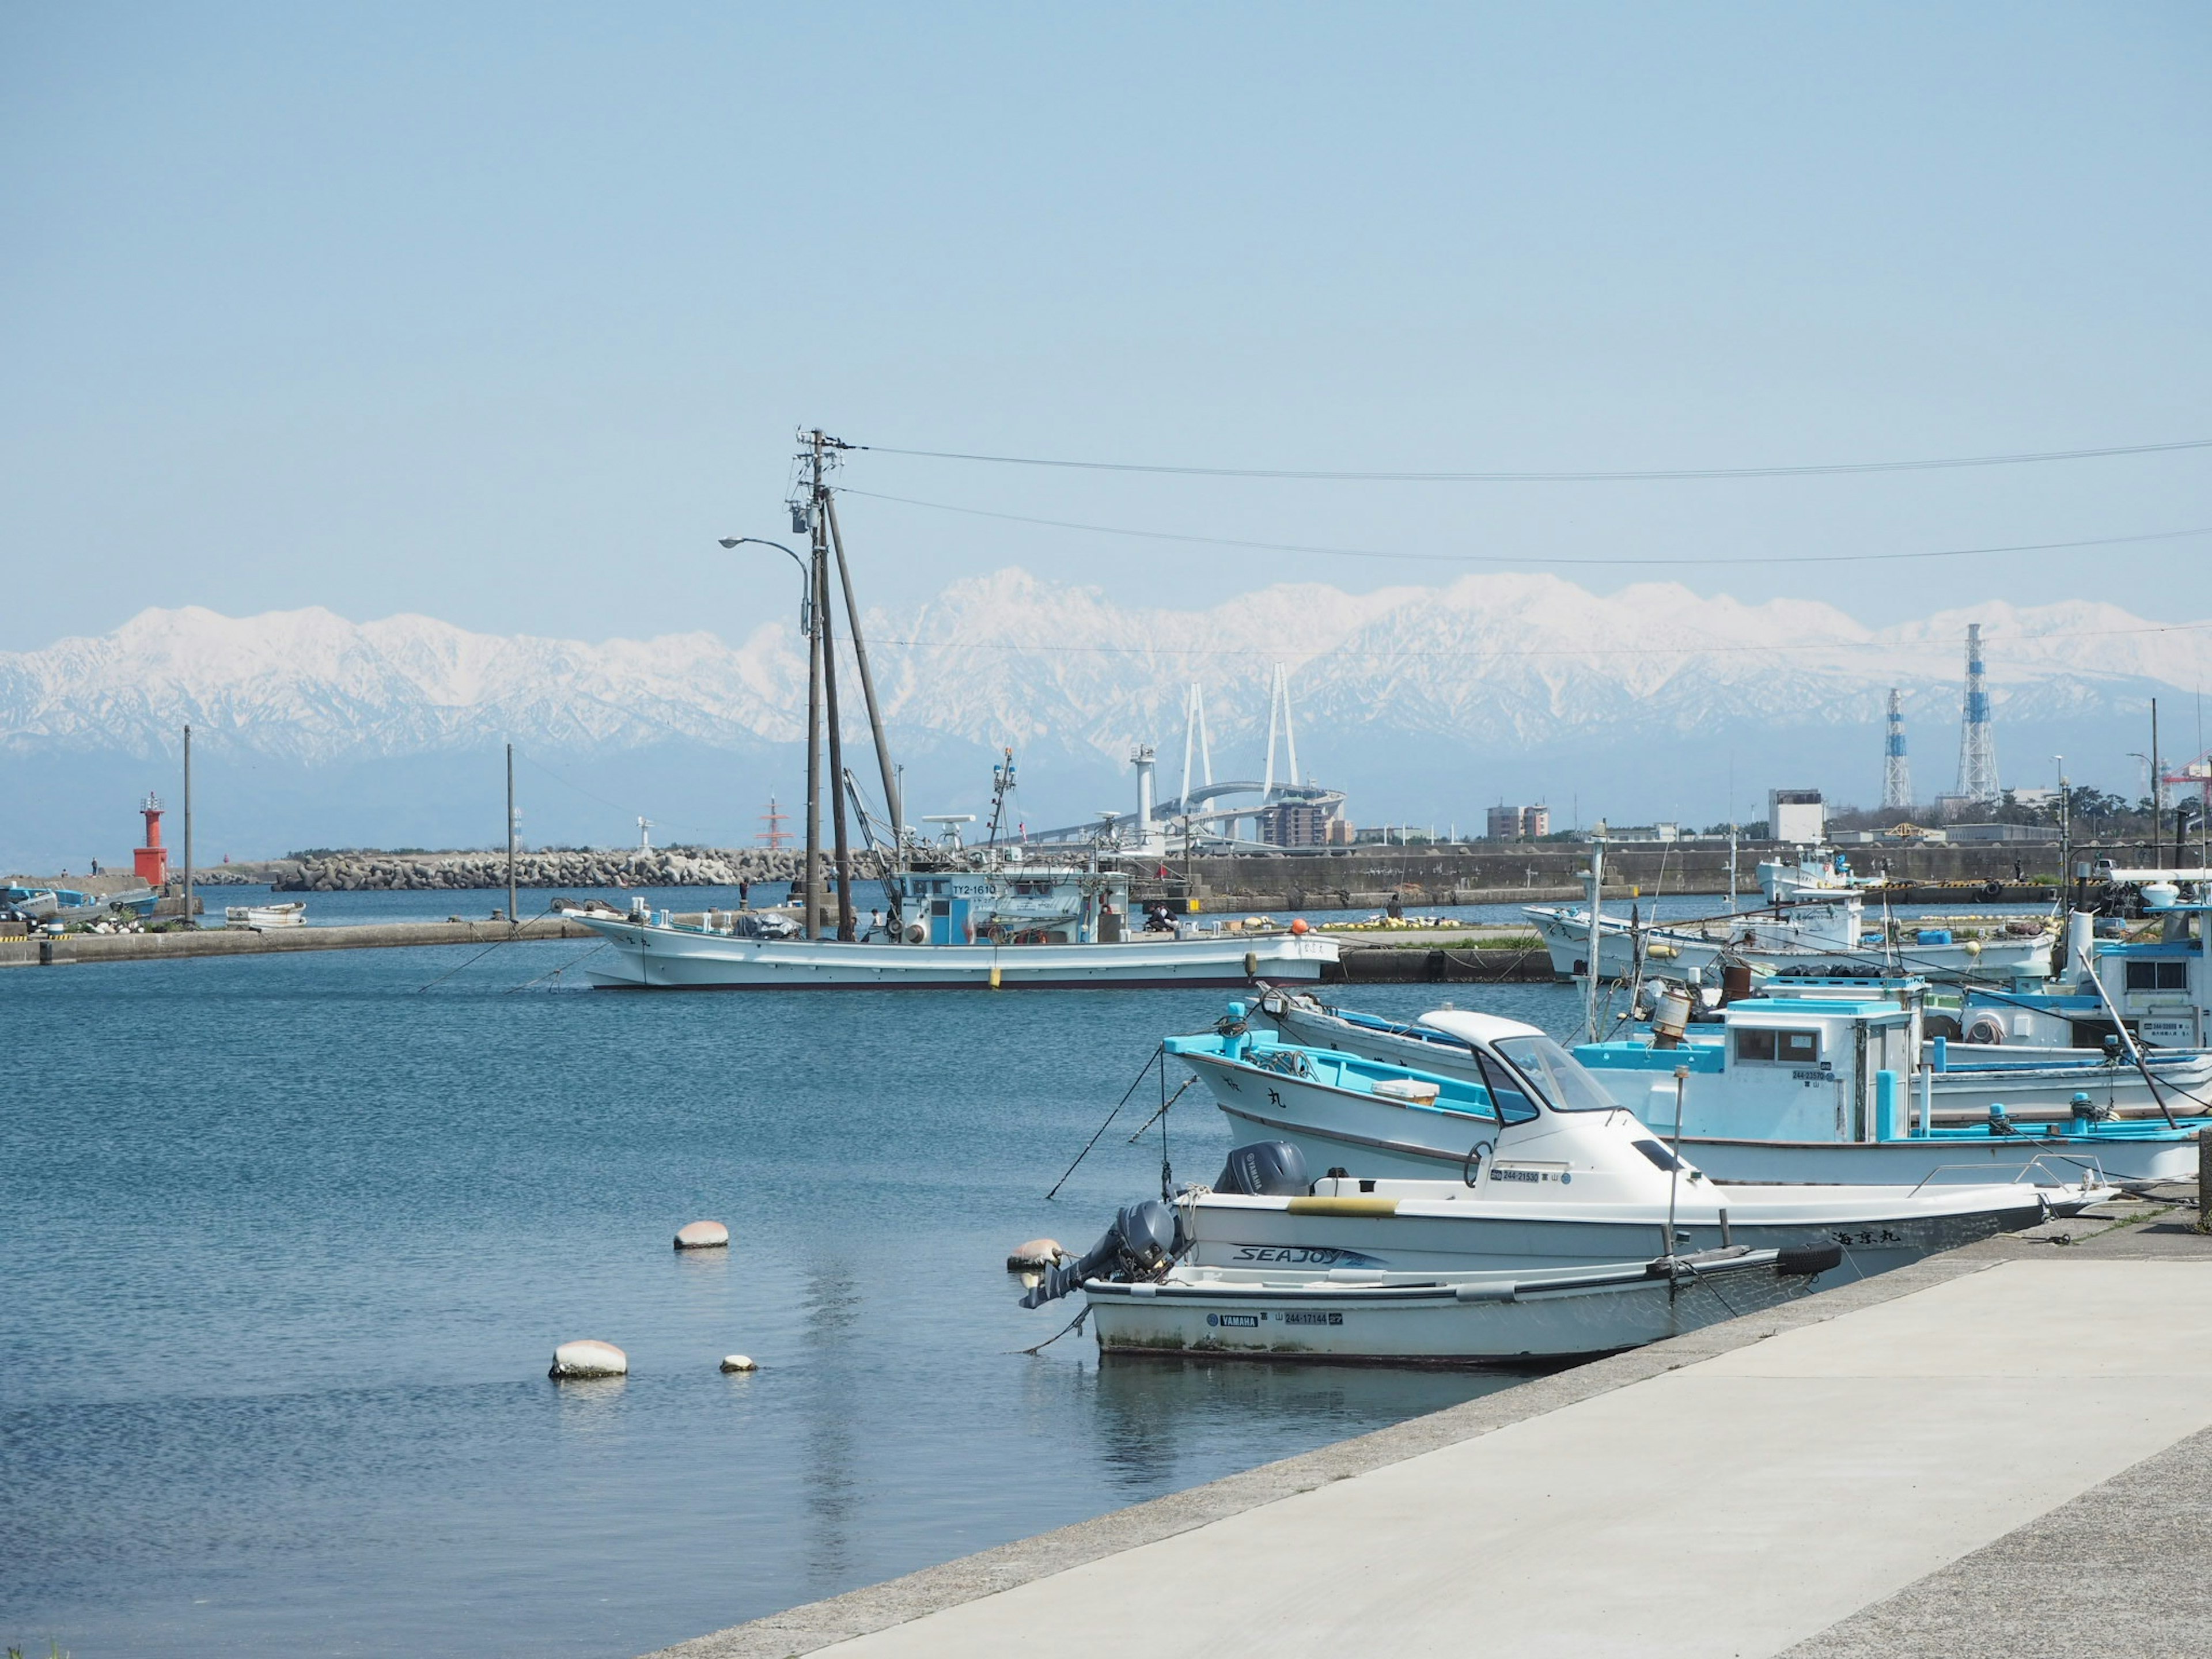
(1422, 700)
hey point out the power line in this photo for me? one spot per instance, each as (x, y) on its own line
(1669, 562)
(1640, 476)
(1279, 651)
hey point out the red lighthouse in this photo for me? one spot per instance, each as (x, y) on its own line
(151, 861)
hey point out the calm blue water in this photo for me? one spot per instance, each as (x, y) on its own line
(290, 1241)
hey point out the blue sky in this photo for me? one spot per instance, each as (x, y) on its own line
(503, 313)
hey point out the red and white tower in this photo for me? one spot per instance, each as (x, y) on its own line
(151, 861)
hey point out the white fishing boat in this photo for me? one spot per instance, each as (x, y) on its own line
(1299, 1313)
(1536, 1164)
(989, 917)
(657, 950)
(259, 917)
(1813, 923)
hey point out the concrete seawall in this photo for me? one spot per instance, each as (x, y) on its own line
(1878, 1469)
(240, 942)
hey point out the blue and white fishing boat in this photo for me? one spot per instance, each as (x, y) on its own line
(1533, 1161)
(1835, 1081)
(2152, 986)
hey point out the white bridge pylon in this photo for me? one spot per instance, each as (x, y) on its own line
(1156, 829)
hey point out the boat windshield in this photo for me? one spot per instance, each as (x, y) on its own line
(1566, 1085)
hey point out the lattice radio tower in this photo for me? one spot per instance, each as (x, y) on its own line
(1977, 745)
(1896, 770)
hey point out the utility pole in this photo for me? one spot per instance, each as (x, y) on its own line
(510, 835)
(818, 528)
(2157, 790)
(189, 920)
(812, 890)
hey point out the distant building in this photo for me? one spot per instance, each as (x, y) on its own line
(1519, 822)
(1799, 816)
(1304, 823)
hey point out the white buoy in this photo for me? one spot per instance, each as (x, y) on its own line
(589, 1358)
(702, 1235)
(738, 1362)
(1038, 1252)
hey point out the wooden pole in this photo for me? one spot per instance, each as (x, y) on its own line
(2205, 1180)
(892, 792)
(510, 914)
(190, 921)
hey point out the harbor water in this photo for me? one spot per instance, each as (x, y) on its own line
(292, 1238)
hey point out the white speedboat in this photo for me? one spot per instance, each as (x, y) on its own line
(1537, 1165)
(1149, 1286)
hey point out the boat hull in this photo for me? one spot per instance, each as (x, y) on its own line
(1672, 953)
(2131, 1160)
(645, 957)
(1471, 1322)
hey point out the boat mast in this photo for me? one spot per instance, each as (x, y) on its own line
(1597, 892)
(826, 654)
(893, 795)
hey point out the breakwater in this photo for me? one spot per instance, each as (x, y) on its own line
(241, 941)
(349, 873)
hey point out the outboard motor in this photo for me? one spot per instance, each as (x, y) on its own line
(1142, 1240)
(1266, 1168)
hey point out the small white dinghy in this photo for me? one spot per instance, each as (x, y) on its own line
(258, 916)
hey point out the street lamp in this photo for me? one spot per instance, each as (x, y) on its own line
(805, 576)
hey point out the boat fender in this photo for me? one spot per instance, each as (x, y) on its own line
(1265, 1169)
(1808, 1261)
(1483, 1293)
(1251, 963)
(1036, 1252)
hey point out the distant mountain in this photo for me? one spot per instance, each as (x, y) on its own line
(1424, 703)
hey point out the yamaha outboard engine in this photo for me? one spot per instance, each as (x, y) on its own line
(1266, 1168)
(1142, 1240)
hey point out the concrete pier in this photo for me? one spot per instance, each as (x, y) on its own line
(238, 941)
(2004, 1449)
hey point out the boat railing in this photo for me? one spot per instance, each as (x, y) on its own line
(2092, 1172)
